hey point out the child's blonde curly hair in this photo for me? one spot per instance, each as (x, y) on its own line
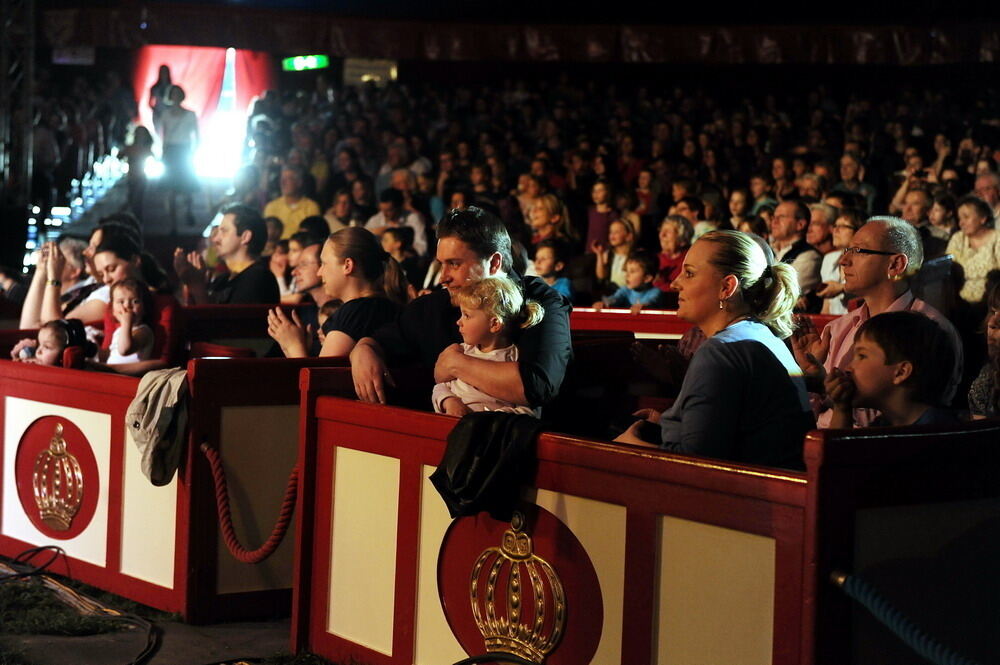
(500, 297)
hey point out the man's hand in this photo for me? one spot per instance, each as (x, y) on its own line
(369, 372)
(448, 362)
(829, 289)
(190, 267)
(809, 347)
(652, 415)
(455, 407)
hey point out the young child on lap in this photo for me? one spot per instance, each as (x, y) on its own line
(901, 365)
(491, 308)
(133, 340)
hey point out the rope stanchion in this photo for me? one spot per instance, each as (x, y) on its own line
(239, 552)
(916, 638)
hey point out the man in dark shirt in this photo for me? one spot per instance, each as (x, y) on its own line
(239, 240)
(471, 244)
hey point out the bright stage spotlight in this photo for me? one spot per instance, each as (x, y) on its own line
(153, 168)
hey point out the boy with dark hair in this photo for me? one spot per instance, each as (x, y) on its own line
(902, 363)
(550, 261)
(638, 292)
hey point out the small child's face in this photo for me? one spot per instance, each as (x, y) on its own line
(389, 243)
(873, 377)
(50, 348)
(126, 301)
(539, 217)
(545, 262)
(476, 326)
(635, 275)
(617, 235)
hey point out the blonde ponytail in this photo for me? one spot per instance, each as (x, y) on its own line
(531, 314)
(769, 290)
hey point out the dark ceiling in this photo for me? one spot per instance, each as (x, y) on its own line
(779, 12)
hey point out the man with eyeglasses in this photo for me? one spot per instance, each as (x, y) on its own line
(988, 189)
(883, 254)
(788, 239)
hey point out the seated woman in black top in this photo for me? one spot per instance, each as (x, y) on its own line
(355, 270)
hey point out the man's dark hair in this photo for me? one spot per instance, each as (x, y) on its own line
(801, 211)
(393, 196)
(306, 239)
(248, 219)
(921, 341)
(482, 231)
(695, 205)
(315, 225)
(403, 234)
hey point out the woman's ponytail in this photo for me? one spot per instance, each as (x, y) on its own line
(394, 282)
(773, 297)
(769, 290)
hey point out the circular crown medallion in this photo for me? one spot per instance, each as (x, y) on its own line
(526, 588)
(57, 478)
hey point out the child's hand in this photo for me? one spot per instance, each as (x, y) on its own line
(840, 389)
(598, 305)
(597, 247)
(636, 308)
(26, 343)
(125, 317)
(454, 407)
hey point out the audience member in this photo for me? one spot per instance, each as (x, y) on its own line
(884, 254)
(788, 229)
(491, 308)
(638, 290)
(743, 397)
(975, 248)
(240, 239)
(549, 263)
(293, 205)
(900, 366)
(392, 214)
(984, 393)
(472, 244)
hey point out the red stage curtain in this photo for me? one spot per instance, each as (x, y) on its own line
(254, 74)
(198, 70)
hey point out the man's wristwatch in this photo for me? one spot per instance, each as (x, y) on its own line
(55, 282)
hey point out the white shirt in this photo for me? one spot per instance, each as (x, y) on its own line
(473, 397)
(413, 220)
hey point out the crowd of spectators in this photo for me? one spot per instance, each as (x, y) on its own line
(358, 200)
(594, 172)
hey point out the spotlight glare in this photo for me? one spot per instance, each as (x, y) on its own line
(153, 168)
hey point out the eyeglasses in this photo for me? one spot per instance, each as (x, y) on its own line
(860, 250)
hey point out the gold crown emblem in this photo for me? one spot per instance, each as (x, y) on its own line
(58, 483)
(513, 603)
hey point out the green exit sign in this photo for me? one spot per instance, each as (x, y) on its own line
(301, 63)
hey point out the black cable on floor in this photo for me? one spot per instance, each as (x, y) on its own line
(23, 569)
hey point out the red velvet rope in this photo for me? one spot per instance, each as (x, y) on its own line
(239, 552)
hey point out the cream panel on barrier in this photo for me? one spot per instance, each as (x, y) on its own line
(91, 544)
(434, 641)
(259, 447)
(363, 548)
(715, 595)
(149, 522)
(600, 528)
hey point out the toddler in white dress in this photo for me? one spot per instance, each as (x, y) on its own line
(490, 308)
